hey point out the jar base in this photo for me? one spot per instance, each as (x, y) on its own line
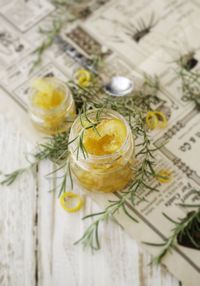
(89, 184)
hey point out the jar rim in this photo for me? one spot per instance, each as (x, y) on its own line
(65, 103)
(113, 156)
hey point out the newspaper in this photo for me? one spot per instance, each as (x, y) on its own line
(24, 14)
(133, 36)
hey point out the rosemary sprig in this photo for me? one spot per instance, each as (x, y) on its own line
(94, 96)
(188, 74)
(10, 178)
(144, 172)
(190, 85)
(66, 3)
(67, 173)
(90, 237)
(55, 149)
(50, 35)
(185, 226)
(59, 20)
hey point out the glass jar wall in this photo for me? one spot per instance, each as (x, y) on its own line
(107, 164)
(51, 105)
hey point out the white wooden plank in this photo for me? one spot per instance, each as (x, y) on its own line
(17, 212)
(151, 275)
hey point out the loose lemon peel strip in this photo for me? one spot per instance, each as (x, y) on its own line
(69, 196)
(151, 120)
(156, 119)
(83, 78)
(164, 176)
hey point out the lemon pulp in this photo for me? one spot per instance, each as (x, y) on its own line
(47, 95)
(50, 111)
(107, 138)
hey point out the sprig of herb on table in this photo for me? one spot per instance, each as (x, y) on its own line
(189, 77)
(182, 226)
(190, 85)
(10, 178)
(54, 149)
(49, 36)
(59, 20)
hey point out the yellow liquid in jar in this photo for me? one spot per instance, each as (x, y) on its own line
(107, 139)
(107, 181)
(50, 99)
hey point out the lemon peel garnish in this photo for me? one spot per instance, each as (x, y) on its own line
(162, 119)
(151, 120)
(156, 119)
(65, 199)
(83, 78)
(164, 176)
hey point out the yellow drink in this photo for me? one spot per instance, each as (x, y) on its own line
(51, 106)
(109, 164)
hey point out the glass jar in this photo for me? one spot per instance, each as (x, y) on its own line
(102, 173)
(51, 114)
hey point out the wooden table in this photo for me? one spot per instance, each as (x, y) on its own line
(37, 235)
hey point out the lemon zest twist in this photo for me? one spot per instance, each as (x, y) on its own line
(164, 176)
(66, 197)
(83, 78)
(156, 119)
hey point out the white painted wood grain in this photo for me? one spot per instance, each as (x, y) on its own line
(17, 212)
(120, 262)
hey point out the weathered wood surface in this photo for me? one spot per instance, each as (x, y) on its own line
(37, 235)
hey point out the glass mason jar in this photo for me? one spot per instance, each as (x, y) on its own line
(55, 115)
(102, 173)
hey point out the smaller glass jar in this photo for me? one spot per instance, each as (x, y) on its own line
(51, 108)
(102, 173)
